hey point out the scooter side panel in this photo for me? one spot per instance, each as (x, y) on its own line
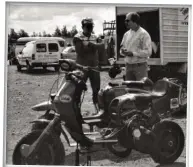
(64, 102)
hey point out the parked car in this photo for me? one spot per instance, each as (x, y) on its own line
(20, 44)
(69, 53)
(44, 53)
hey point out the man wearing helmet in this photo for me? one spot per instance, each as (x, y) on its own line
(86, 47)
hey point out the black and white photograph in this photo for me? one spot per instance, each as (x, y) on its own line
(97, 84)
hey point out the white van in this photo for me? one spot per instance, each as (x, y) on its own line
(22, 41)
(41, 53)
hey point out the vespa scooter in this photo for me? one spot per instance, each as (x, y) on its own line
(129, 127)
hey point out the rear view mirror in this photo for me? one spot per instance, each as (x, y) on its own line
(65, 66)
(102, 37)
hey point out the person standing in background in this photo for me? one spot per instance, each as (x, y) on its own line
(87, 49)
(136, 48)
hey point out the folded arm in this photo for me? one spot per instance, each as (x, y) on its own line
(146, 50)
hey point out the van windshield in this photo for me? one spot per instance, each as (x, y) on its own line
(53, 47)
(21, 42)
(61, 43)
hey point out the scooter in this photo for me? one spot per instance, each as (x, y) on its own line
(100, 120)
(131, 126)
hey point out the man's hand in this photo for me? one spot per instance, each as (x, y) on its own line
(126, 52)
(130, 54)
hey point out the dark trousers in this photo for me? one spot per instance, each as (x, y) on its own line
(136, 71)
(94, 78)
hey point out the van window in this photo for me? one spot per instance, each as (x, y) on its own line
(41, 47)
(61, 43)
(53, 47)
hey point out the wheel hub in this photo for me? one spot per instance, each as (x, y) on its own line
(170, 143)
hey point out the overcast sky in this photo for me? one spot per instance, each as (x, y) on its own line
(37, 17)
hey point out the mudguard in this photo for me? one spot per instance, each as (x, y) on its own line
(42, 122)
(115, 107)
(44, 106)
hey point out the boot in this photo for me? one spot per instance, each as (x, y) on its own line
(96, 109)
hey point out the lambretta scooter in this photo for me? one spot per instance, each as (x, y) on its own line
(131, 126)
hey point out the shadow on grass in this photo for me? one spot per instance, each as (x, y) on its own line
(175, 164)
(102, 154)
(39, 71)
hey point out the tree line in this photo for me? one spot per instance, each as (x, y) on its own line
(63, 32)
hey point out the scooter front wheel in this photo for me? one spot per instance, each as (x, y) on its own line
(51, 152)
(118, 150)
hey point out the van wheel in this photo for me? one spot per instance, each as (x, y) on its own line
(18, 67)
(57, 68)
(44, 68)
(29, 67)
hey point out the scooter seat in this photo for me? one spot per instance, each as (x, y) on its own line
(92, 121)
(160, 89)
(97, 116)
(113, 84)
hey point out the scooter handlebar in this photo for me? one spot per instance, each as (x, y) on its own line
(86, 68)
(71, 65)
(74, 78)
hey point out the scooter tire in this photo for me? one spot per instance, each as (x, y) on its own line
(53, 146)
(120, 153)
(170, 137)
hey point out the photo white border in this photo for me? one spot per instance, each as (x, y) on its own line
(3, 49)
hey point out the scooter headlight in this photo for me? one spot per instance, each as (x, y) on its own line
(136, 133)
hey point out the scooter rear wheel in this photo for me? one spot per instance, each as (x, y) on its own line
(169, 142)
(51, 152)
(118, 150)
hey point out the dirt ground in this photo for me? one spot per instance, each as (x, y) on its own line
(25, 90)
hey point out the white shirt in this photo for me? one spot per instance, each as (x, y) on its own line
(139, 43)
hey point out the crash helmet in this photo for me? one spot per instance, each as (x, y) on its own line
(87, 21)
